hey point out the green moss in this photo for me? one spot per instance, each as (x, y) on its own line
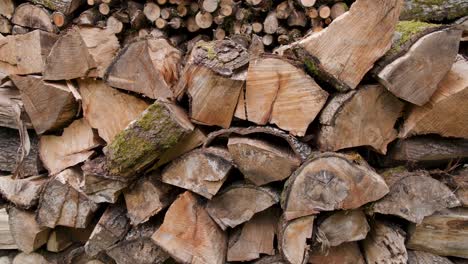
(151, 116)
(408, 29)
(389, 172)
(209, 47)
(431, 2)
(311, 67)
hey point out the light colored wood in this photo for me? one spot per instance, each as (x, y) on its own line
(22, 193)
(50, 106)
(135, 68)
(29, 258)
(344, 63)
(444, 114)
(270, 25)
(72, 147)
(461, 186)
(324, 11)
(59, 240)
(338, 9)
(238, 203)
(189, 235)
(64, 6)
(346, 124)
(347, 253)
(7, 8)
(342, 227)
(108, 110)
(28, 234)
(255, 237)
(280, 93)
(5, 25)
(152, 11)
(385, 243)
(260, 161)
(331, 181)
(442, 233)
(421, 257)
(33, 16)
(292, 236)
(210, 5)
(114, 25)
(6, 238)
(204, 19)
(307, 3)
(104, 9)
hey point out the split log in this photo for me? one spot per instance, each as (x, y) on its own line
(189, 235)
(460, 182)
(414, 43)
(210, 78)
(255, 237)
(202, 171)
(6, 239)
(22, 193)
(292, 238)
(64, 6)
(433, 10)
(385, 244)
(74, 146)
(238, 203)
(33, 16)
(331, 181)
(50, 106)
(280, 93)
(7, 8)
(347, 253)
(8, 55)
(421, 257)
(439, 116)
(343, 64)
(30, 258)
(111, 228)
(161, 126)
(138, 68)
(28, 234)
(260, 161)
(10, 143)
(59, 240)
(147, 197)
(5, 25)
(346, 124)
(443, 233)
(11, 107)
(108, 110)
(341, 227)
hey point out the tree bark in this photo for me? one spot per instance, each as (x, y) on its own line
(433, 11)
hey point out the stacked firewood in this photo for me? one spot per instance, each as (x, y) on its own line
(129, 137)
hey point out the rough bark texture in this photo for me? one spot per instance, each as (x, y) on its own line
(23, 193)
(421, 257)
(427, 10)
(385, 244)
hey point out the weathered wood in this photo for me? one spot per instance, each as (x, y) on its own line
(28, 234)
(292, 236)
(22, 193)
(442, 233)
(460, 186)
(59, 240)
(280, 93)
(74, 146)
(331, 181)
(341, 227)
(5, 25)
(444, 113)
(238, 203)
(344, 63)
(12, 108)
(347, 253)
(421, 257)
(202, 171)
(427, 10)
(255, 237)
(64, 6)
(385, 244)
(136, 65)
(89, 17)
(346, 124)
(7, 8)
(6, 238)
(29, 258)
(260, 161)
(189, 235)
(33, 16)
(108, 110)
(112, 227)
(147, 197)
(50, 106)
(160, 127)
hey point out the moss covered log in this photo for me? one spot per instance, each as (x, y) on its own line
(158, 129)
(434, 10)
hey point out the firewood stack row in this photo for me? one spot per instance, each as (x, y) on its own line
(347, 145)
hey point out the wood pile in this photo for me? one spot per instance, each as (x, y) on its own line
(227, 131)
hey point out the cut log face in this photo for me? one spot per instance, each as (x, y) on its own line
(255, 237)
(29, 235)
(343, 226)
(22, 193)
(385, 243)
(149, 67)
(202, 171)
(421, 257)
(292, 236)
(443, 233)
(238, 204)
(107, 109)
(260, 161)
(439, 115)
(433, 54)
(62, 205)
(330, 182)
(346, 123)
(69, 58)
(6, 238)
(33, 16)
(347, 253)
(111, 228)
(50, 106)
(160, 127)
(416, 196)
(64, 6)
(189, 235)
(344, 63)
(280, 93)
(147, 198)
(72, 147)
